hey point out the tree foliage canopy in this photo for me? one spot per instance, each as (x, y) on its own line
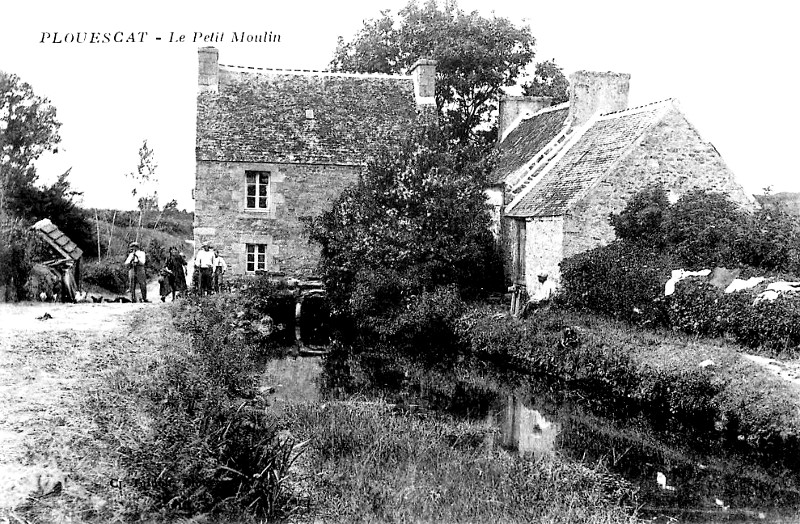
(548, 80)
(704, 229)
(417, 218)
(28, 128)
(475, 56)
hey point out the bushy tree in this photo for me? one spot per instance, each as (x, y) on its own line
(416, 219)
(548, 80)
(28, 128)
(57, 202)
(476, 57)
(642, 220)
(702, 228)
(770, 239)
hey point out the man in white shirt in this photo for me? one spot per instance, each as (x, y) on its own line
(136, 274)
(220, 267)
(204, 264)
(542, 296)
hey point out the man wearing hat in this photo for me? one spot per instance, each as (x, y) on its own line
(135, 262)
(204, 263)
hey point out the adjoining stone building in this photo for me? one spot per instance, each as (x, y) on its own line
(562, 170)
(276, 146)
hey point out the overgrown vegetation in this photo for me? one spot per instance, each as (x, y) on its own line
(626, 278)
(476, 57)
(653, 373)
(377, 464)
(18, 245)
(416, 222)
(208, 443)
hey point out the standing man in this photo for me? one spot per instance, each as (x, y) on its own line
(220, 267)
(204, 264)
(136, 275)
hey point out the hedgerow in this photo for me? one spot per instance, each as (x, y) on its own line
(625, 279)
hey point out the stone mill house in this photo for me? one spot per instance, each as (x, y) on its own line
(562, 170)
(275, 146)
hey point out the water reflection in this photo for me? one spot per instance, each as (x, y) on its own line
(526, 430)
(539, 418)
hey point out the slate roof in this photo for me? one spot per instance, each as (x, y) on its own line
(57, 240)
(264, 116)
(590, 157)
(527, 139)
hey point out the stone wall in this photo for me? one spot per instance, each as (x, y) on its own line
(543, 250)
(672, 154)
(296, 191)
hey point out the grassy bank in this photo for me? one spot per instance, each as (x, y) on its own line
(372, 463)
(194, 436)
(658, 373)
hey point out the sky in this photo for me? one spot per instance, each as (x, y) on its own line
(731, 65)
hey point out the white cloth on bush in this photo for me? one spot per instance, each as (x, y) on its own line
(775, 289)
(740, 285)
(680, 274)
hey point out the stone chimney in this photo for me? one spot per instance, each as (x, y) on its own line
(512, 107)
(591, 92)
(424, 73)
(208, 76)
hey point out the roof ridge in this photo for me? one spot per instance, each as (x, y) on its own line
(321, 72)
(637, 109)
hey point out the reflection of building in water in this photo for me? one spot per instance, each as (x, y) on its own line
(526, 430)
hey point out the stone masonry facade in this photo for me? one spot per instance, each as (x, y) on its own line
(672, 154)
(275, 147)
(296, 191)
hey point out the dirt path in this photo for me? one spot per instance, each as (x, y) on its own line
(48, 369)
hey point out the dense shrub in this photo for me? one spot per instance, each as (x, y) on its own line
(110, 275)
(57, 203)
(419, 211)
(619, 281)
(642, 220)
(771, 240)
(696, 308)
(625, 279)
(393, 309)
(213, 445)
(16, 243)
(699, 308)
(702, 229)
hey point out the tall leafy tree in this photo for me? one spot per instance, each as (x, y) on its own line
(28, 128)
(417, 217)
(476, 57)
(548, 80)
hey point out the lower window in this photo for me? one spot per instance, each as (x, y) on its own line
(256, 257)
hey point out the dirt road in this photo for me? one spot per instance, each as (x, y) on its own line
(48, 368)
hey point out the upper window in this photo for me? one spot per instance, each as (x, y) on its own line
(257, 190)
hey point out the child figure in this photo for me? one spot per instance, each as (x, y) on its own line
(164, 288)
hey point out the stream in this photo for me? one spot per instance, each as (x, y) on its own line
(681, 477)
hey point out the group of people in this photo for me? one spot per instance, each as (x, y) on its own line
(172, 277)
(211, 269)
